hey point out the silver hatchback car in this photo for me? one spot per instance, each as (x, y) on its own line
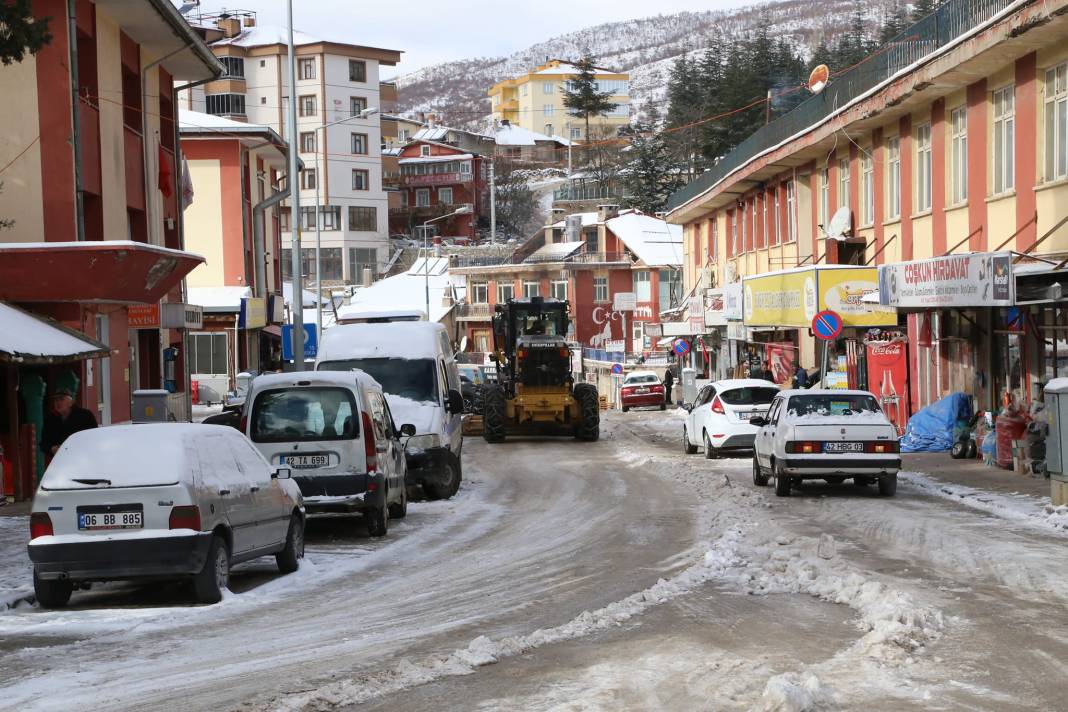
(163, 501)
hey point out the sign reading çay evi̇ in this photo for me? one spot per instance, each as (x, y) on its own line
(981, 279)
(792, 298)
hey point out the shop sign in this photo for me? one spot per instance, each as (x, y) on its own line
(982, 279)
(792, 298)
(175, 315)
(654, 330)
(715, 314)
(676, 328)
(624, 301)
(615, 346)
(736, 331)
(253, 313)
(732, 302)
(143, 316)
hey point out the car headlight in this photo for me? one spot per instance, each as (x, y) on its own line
(423, 442)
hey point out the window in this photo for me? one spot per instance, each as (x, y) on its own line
(362, 259)
(844, 183)
(307, 218)
(263, 62)
(923, 167)
(776, 218)
(867, 187)
(359, 103)
(359, 144)
(600, 289)
(576, 134)
(825, 196)
(745, 232)
(357, 70)
(893, 177)
(263, 100)
(791, 215)
(618, 87)
(363, 219)
(523, 89)
(558, 288)
(306, 68)
(361, 179)
(223, 104)
(307, 142)
(307, 105)
(1004, 139)
(422, 197)
(763, 198)
(734, 233)
(305, 414)
(234, 67)
(465, 167)
(531, 289)
(958, 122)
(548, 129)
(330, 217)
(546, 87)
(445, 196)
(479, 293)
(547, 109)
(505, 291)
(284, 214)
(330, 260)
(207, 353)
(670, 288)
(643, 285)
(308, 179)
(1057, 122)
(424, 150)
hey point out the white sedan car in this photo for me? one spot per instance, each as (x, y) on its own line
(831, 435)
(719, 418)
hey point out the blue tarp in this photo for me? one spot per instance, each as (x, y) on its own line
(934, 428)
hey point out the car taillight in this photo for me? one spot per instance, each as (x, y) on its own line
(242, 424)
(185, 517)
(658, 389)
(803, 447)
(881, 447)
(565, 353)
(627, 391)
(40, 525)
(370, 448)
(717, 406)
(521, 353)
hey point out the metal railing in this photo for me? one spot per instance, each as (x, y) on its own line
(949, 21)
(474, 312)
(513, 259)
(585, 192)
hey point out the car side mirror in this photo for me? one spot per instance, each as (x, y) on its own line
(688, 407)
(455, 402)
(759, 422)
(282, 473)
(407, 430)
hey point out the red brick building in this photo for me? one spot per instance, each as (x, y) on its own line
(435, 179)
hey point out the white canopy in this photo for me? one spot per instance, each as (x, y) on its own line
(27, 338)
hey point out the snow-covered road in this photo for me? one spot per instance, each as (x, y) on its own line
(617, 575)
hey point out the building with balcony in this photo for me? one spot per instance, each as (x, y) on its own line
(93, 187)
(535, 101)
(341, 151)
(433, 180)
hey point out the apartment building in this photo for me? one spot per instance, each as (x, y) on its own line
(535, 101)
(945, 155)
(340, 147)
(91, 266)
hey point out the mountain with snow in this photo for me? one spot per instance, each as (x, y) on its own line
(646, 48)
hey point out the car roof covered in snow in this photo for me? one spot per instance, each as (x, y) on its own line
(742, 383)
(131, 455)
(303, 379)
(825, 392)
(641, 374)
(396, 339)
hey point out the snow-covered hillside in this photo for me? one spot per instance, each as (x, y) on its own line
(646, 48)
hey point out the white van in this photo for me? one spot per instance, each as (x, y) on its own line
(337, 435)
(414, 363)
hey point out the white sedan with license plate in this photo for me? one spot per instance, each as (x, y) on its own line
(720, 418)
(831, 435)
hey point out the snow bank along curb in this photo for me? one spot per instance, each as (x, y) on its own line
(1030, 511)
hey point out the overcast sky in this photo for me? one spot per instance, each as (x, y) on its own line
(431, 32)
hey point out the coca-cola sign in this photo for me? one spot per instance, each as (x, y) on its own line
(975, 280)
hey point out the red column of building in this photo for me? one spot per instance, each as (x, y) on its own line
(1025, 153)
(938, 175)
(730, 234)
(906, 187)
(54, 118)
(759, 199)
(878, 158)
(709, 242)
(814, 191)
(977, 162)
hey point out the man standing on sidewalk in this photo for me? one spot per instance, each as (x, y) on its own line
(669, 382)
(64, 419)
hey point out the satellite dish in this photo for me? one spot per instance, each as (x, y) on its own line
(463, 343)
(818, 79)
(841, 225)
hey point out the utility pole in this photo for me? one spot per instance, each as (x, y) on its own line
(493, 199)
(297, 303)
(569, 142)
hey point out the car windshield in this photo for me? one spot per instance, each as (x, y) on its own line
(749, 396)
(413, 379)
(828, 404)
(303, 414)
(649, 378)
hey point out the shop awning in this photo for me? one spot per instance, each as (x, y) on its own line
(121, 271)
(27, 338)
(791, 298)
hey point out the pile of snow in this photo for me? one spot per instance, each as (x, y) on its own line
(792, 692)
(16, 571)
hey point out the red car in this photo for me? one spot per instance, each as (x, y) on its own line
(642, 389)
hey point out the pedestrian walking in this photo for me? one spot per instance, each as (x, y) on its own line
(669, 383)
(65, 417)
(800, 377)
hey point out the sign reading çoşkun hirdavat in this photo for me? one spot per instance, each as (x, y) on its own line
(979, 279)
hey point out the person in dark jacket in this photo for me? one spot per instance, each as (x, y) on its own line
(669, 382)
(64, 419)
(800, 377)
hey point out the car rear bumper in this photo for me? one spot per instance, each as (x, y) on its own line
(645, 400)
(121, 558)
(735, 441)
(341, 494)
(816, 467)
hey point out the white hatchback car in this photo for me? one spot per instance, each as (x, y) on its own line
(719, 418)
(160, 501)
(831, 435)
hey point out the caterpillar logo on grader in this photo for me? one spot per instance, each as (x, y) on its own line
(535, 393)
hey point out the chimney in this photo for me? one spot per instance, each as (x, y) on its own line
(607, 212)
(250, 21)
(431, 120)
(230, 26)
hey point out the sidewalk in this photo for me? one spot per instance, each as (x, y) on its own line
(22, 509)
(973, 473)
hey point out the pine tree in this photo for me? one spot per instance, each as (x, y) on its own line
(649, 176)
(582, 98)
(20, 32)
(894, 24)
(923, 8)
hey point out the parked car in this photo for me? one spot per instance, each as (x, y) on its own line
(831, 435)
(719, 419)
(415, 364)
(335, 431)
(160, 501)
(642, 389)
(472, 378)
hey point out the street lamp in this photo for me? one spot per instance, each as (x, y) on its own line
(462, 210)
(318, 236)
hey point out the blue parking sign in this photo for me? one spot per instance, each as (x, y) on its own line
(311, 342)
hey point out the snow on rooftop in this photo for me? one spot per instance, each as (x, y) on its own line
(309, 296)
(588, 220)
(262, 35)
(555, 250)
(26, 336)
(653, 240)
(438, 159)
(407, 291)
(193, 120)
(218, 299)
(512, 135)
